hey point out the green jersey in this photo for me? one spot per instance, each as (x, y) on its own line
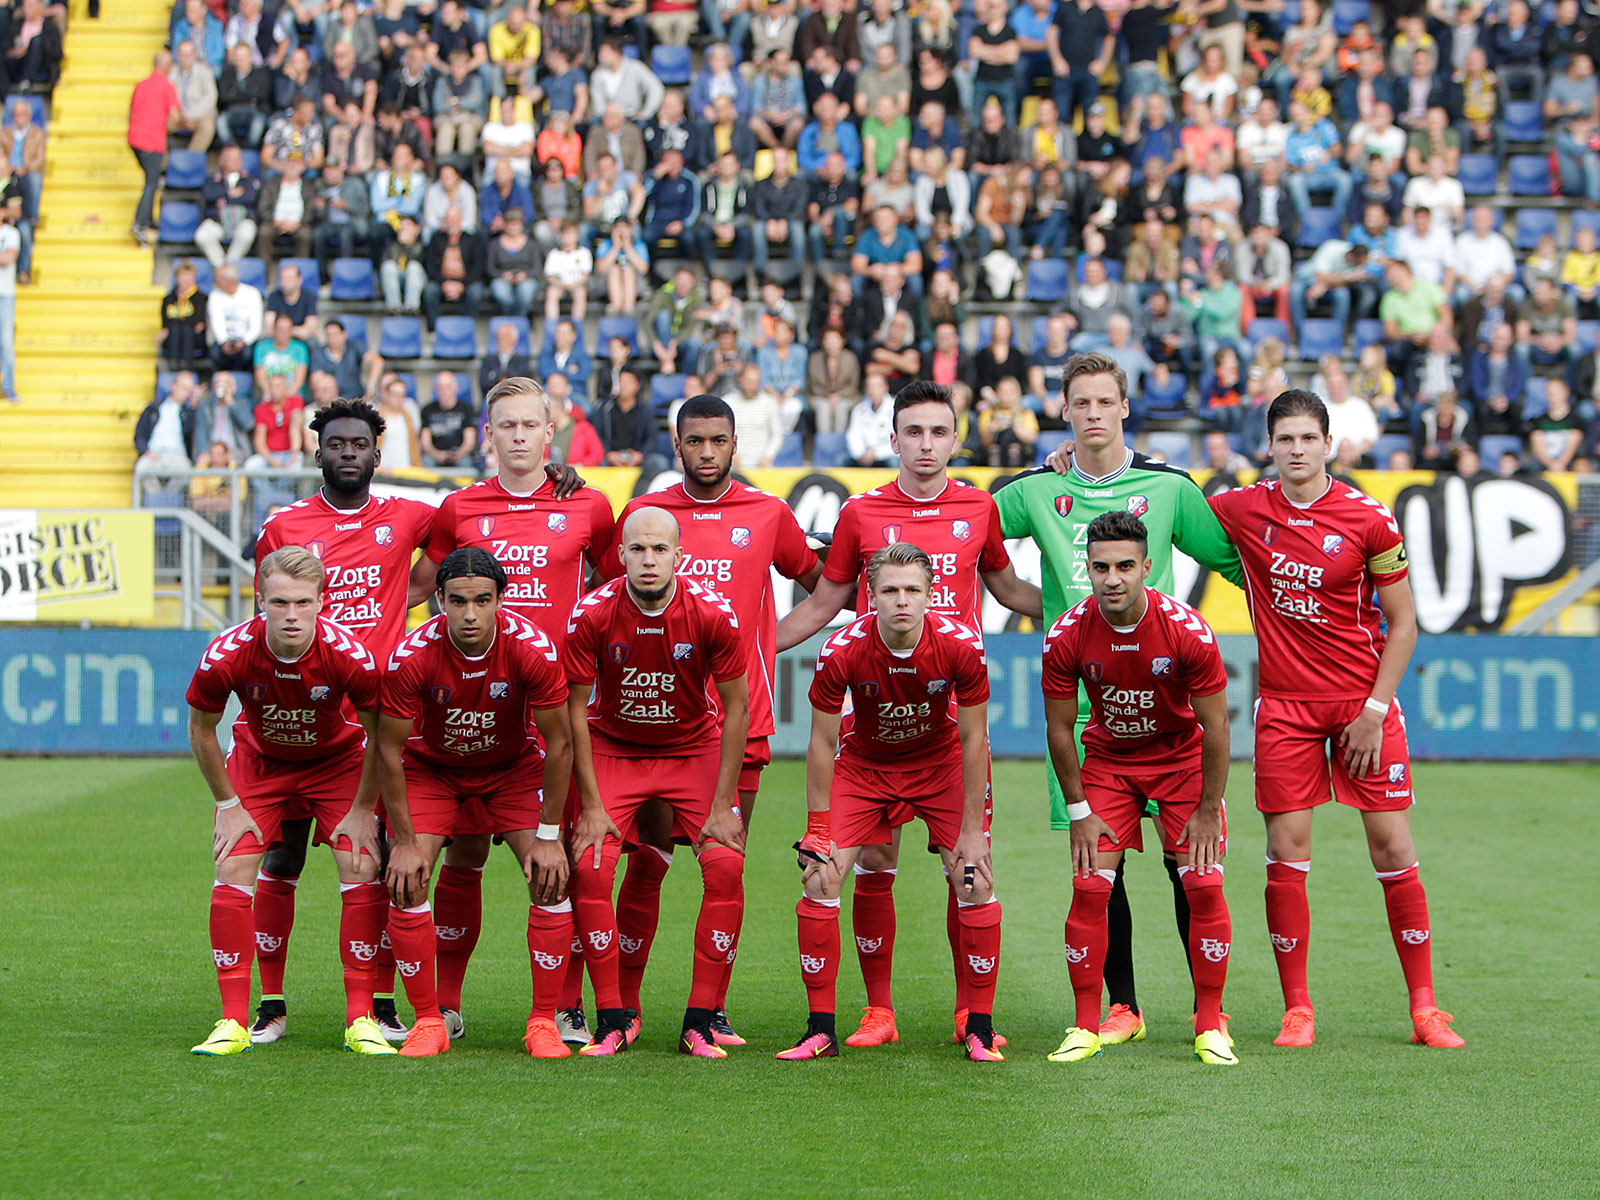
(1055, 511)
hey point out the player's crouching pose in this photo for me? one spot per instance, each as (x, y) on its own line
(455, 728)
(302, 682)
(907, 748)
(660, 710)
(1158, 731)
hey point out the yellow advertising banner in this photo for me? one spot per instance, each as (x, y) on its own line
(64, 565)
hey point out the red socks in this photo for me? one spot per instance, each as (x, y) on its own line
(415, 957)
(716, 932)
(1407, 903)
(1210, 941)
(363, 908)
(590, 889)
(980, 955)
(232, 945)
(1289, 923)
(457, 922)
(819, 952)
(274, 919)
(1086, 937)
(872, 917)
(638, 914)
(549, 945)
(952, 929)
(572, 982)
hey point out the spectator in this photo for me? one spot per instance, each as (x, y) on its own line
(267, 37)
(1438, 369)
(1047, 142)
(285, 213)
(1222, 398)
(510, 141)
(758, 416)
(294, 301)
(1006, 429)
(294, 81)
(229, 200)
(451, 31)
(244, 94)
(1092, 303)
(1048, 363)
(1211, 85)
(1482, 255)
(1264, 271)
(193, 23)
(574, 440)
(166, 428)
(196, 87)
(405, 95)
(455, 262)
(1443, 431)
(672, 206)
(281, 354)
(778, 208)
(882, 24)
(668, 322)
(832, 207)
(1217, 311)
(620, 139)
(1514, 50)
(1440, 194)
(449, 191)
(828, 25)
(507, 191)
(867, 438)
(558, 140)
(1555, 437)
(1376, 384)
(626, 427)
(345, 364)
(783, 366)
(504, 361)
(567, 270)
(887, 244)
(833, 382)
(151, 112)
(777, 100)
(725, 209)
(1168, 333)
(278, 438)
(1079, 44)
(1428, 248)
(234, 314)
(1352, 425)
(513, 267)
(295, 136)
(1547, 330)
(342, 211)
(349, 26)
(671, 129)
(1580, 271)
(513, 45)
(400, 445)
(403, 274)
(1578, 163)
(672, 22)
(219, 418)
(826, 74)
(625, 81)
(948, 363)
(995, 50)
(1433, 135)
(460, 108)
(622, 261)
(1410, 310)
(33, 57)
(1376, 187)
(830, 134)
(565, 355)
(346, 82)
(835, 305)
(182, 336)
(1497, 381)
(773, 26)
(449, 426)
(895, 355)
(1103, 168)
(1377, 137)
(1312, 151)
(395, 128)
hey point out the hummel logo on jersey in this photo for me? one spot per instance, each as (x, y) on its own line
(924, 512)
(868, 945)
(320, 692)
(1077, 954)
(809, 965)
(891, 533)
(600, 939)
(485, 526)
(1397, 772)
(548, 962)
(499, 689)
(629, 945)
(1138, 505)
(1333, 545)
(981, 965)
(1414, 937)
(556, 522)
(1284, 945)
(407, 969)
(721, 940)
(961, 530)
(1269, 533)
(255, 691)
(364, 951)
(1092, 671)
(739, 536)
(1214, 950)
(682, 651)
(383, 534)
(1161, 666)
(224, 959)
(1063, 505)
(346, 527)
(267, 943)
(450, 933)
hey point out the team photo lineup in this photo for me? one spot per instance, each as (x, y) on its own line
(597, 690)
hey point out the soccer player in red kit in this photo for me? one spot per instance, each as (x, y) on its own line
(1325, 571)
(1158, 731)
(660, 711)
(308, 693)
(959, 527)
(907, 747)
(457, 701)
(366, 544)
(545, 536)
(734, 538)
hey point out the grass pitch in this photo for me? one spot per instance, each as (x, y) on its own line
(107, 982)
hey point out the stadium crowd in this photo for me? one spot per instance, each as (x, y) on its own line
(801, 208)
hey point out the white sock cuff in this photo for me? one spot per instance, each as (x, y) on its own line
(564, 907)
(263, 877)
(424, 907)
(1396, 874)
(247, 889)
(834, 903)
(860, 870)
(977, 903)
(1303, 865)
(1109, 876)
(1182, 871)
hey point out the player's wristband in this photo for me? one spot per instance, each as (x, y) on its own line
(222, 804)
(818, 826)
(1078, 811)
(1377, 706)
(547, 832)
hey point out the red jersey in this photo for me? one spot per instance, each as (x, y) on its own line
(298, 711)
(733, 545)
(542, 543)
(1312, 575)
(654, 674)
(959, 529)
(367, 554)
(1139, 680)
(902, 715)
(473, 712)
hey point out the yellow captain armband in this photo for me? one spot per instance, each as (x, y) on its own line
(1389, 561)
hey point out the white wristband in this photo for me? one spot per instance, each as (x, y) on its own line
(1078, 811)
(222, 804)
(548, 833)
(1377, 706)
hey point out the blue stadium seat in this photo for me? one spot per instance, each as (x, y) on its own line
(830, 450)
(520, 324)
(1478, 174)
(455, 337)
(1347, 12)
(1492, 445)
(1319, 336)
(1522, 121)
(1588, 334)
(244, 384)
(665, 388)
(671, 64)
(250, 163)
(1533, 224)
(254, 272)
(1317, 226)
(1047, 280)
(179, 220)
(164, 384)
(1166, 401)
(1368, 330)
(356, 327)
(1173, 448)
(186, 168)
(791, 454)
(1047, 444)
(310, 273)
(1529, 174)
(1586, 218)
(1113, 268)
(610, 327)
(400, 337)
(1038, 333)
(1384, 448)
(1263, 328)
(202, 272)
(352, 279)
(1536, 401)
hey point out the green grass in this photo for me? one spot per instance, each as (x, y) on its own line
(105, 981)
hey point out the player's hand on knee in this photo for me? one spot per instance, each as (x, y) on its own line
(231, 824)
(407, 876)
(1085, 836)
(546, 872)
(589, 836)
(724, 827)
(358, 834)
(974, 871)
(1202, 839)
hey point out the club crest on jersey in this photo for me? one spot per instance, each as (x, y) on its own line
(682, 651)
(739, 536)
(383, 534)
(316, 548)
(1333, 545)
(442, 694)
(960, 530)
(499, 689)
(1397, 772)
(891, 533)
(869, 689)
(320, 692)
(1161, 666)
(556, 522)
(1063, 505)
(1138, 505)
(1092, 671)
(618, 652)
(935, 686)
(255, 691)
(1269, 533)
(485, 526)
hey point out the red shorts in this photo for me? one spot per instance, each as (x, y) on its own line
(757, 754)
(686, 782)
(1119, 800)
(903, 813)
(274, 790)
(866, 804)
(1298, 755)
(456, 801)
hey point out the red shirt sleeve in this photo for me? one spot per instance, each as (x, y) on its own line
(578, 655)
(972, 677)
(729, 658)
(209, 689)
(1204, 663)
(994, 556)
(422, 516)
(1385, 548)
(1060, 679)
(602, 547)
(608, 565)
(790, 554)
(844, 558)
(363, 685)
(829, 682)
(442, 533)
(401, 695)
(546, 682)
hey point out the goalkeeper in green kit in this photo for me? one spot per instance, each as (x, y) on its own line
(1054, 506)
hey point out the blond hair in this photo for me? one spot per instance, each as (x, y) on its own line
(516, 385)
(898, 554)
(294, 561)
(1080, 365)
